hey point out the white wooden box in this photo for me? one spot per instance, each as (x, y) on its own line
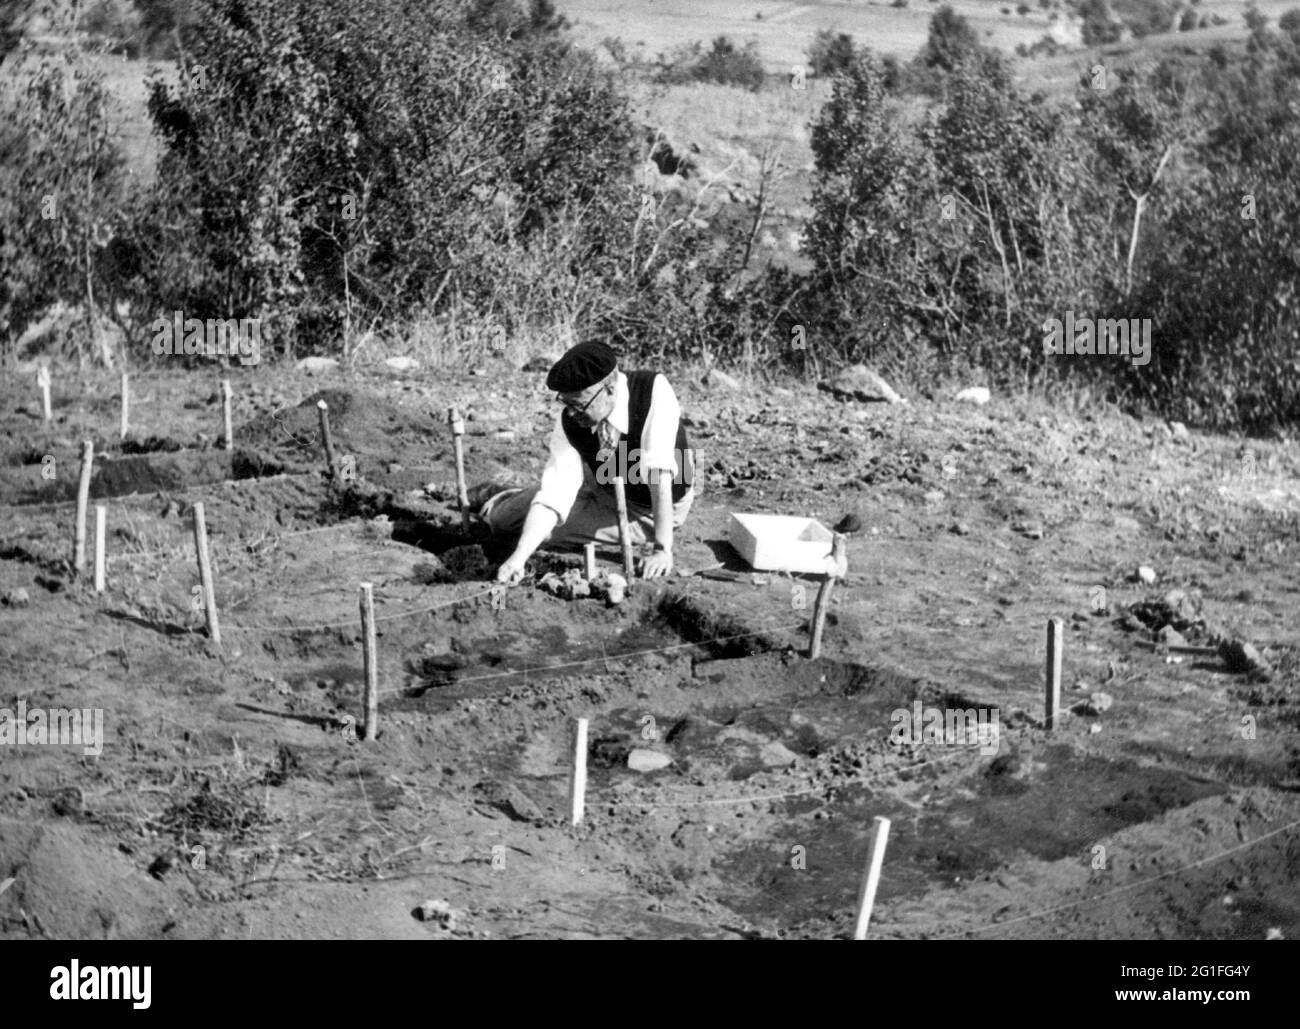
(782, 543)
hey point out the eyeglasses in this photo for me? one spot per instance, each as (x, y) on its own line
(574, 408)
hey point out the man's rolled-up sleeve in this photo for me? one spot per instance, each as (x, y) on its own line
(563, 475)
(659, 437)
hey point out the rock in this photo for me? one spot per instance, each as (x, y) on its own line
(438, 911)
(849, 523)
(1094, 705)
(539, 363)
(714, 379)
(1274, 934)
(776, 754)
(16, 598)
(402, 364)
(1182, 606)
(1240, 656)
(642, 760)
(1177, 430)
(161, 865)
(861, 383)
(977, 395)
(617, 588)
(311, 365)
(1171, 637)
(1094, 728)
(934, 496)
(509, 800)
(959, 529)
(1146, 574)
(1030, 530)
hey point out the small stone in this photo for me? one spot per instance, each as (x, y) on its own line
(1146, 574)
(642, 760)
(402, 364)
(311, 365)
(1030, 530)
(978, 395)
(714, 379)
(959, 529)
(861, 383)
(16, 598)
(1240, 656)
(1094, 728)
(1178, 430)
(1170, 637)
(934, 496)
(1101, 701)
(777, 755)
(1274, 934)
(438, 911)
(849, 523)
(617, 588)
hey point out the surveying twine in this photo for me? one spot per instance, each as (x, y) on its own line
(351, 622)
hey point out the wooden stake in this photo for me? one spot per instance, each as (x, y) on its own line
(867, 898)
(101, 516)
(225, 414)
(1055, 643)
(578, 772)
(839, 557)
(205, 574)
(624, 531)
(126, 404)
(327, 440)
(43, 381)
(370, 661)
(457, 431)
(589, 554)
(83, 500)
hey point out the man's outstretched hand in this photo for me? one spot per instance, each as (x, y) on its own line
(657, 564)
(511, 570)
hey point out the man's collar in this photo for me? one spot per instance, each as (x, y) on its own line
(618, 417)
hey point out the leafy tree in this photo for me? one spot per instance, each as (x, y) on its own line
(950, 42)
(830, 52)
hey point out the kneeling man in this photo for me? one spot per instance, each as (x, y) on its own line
(610, 424)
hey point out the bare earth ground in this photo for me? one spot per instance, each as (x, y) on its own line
(978, 524)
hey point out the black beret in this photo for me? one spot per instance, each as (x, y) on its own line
(581, 367)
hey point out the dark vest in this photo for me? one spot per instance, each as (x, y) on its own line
(640, 386)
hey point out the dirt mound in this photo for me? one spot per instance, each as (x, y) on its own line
(69, 885)
(367, 428)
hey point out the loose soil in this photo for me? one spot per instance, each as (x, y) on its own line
(232, 797)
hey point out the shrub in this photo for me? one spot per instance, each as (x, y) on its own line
(830, 52)
(730, 66)
(951, 41)
(346, 164)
